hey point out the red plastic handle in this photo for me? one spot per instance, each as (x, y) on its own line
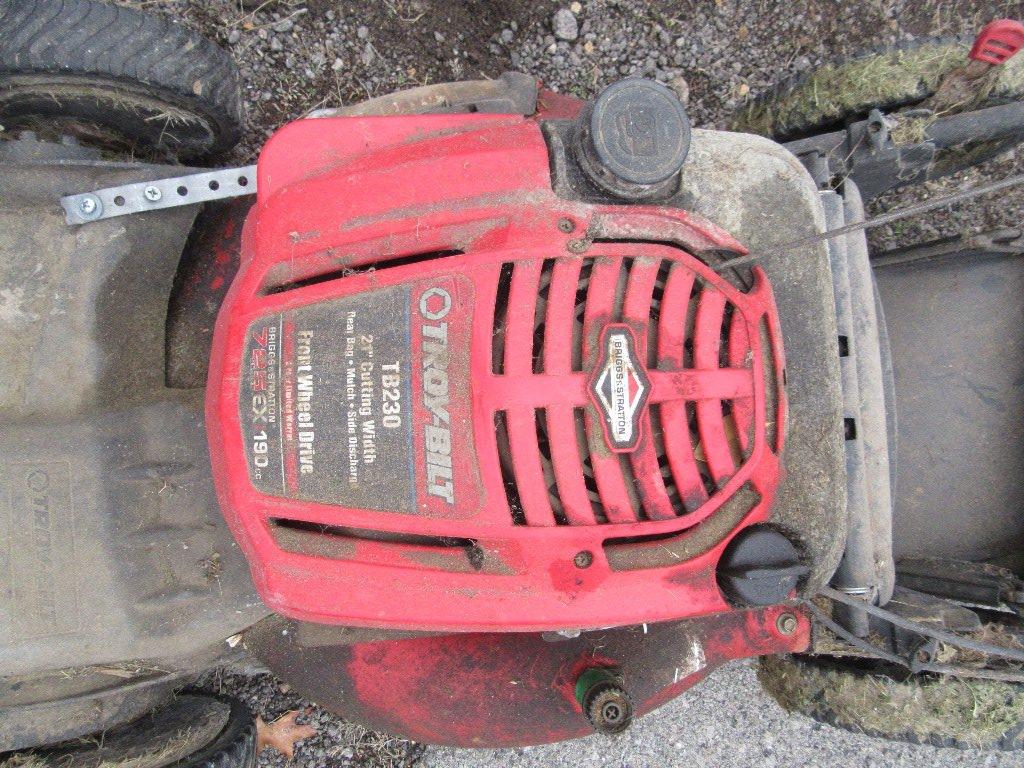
(998, 41)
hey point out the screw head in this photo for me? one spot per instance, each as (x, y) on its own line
(583, 559)
(90, 207)
(787, 623)
(609, 709)
(566, 225)
(152, 193)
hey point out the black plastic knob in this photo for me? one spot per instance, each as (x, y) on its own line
(633, 140)
(760, 567)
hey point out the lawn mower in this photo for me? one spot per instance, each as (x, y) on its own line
(489, 416)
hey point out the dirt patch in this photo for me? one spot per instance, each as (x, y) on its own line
(406, 29)
(295, 56)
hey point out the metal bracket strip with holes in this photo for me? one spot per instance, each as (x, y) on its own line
(160, 193)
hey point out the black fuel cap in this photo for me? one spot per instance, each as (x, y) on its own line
(634, 138)
(761, 566)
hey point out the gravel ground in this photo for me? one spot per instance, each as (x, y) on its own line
(725, 722)
(297, 55)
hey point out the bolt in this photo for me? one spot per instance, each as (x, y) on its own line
(612, 716)
(152, 193)
(787, 623)
(578, 245)
(566, 225)
(604, 701)
(583, 559)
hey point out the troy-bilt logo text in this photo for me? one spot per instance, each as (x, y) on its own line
(619, 388)
(434, 305)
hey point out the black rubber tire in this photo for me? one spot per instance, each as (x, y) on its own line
(978, 714)
(234, 747)
(191, 731)
(828, 96)
(117, 75)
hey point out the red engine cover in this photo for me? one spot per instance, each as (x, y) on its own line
(443, 398)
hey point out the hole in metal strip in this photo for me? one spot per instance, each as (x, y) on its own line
(844, 346)
(849, 429)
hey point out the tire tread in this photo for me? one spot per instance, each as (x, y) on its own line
(93, 39)
(806, 124)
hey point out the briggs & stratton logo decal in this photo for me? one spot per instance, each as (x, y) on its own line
(619, 387)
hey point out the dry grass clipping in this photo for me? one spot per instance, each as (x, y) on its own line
(853, 86)
(970, 712)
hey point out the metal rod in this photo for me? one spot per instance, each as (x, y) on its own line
(860, 644)
(955, 670)
(924, 630)
(877, 221)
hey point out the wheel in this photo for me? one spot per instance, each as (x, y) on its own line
(129, 81)
(192, 731)
(979, 714)
(829, 96)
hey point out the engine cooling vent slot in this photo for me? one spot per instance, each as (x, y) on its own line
(276, 284)
(343, 543)
(508, 478)
(664, 550)
(773, 427)
(500, 316)
(690, 449)
(740, 278)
